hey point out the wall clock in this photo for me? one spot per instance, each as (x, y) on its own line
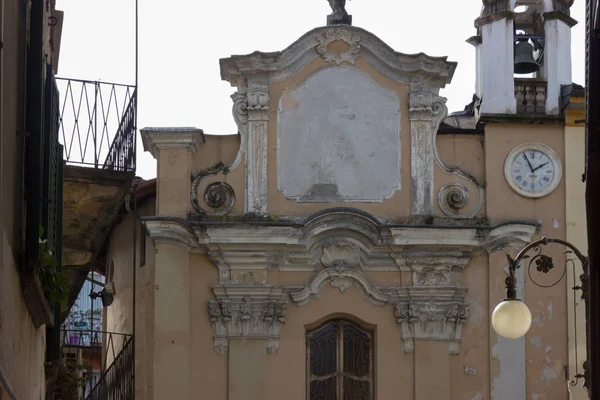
(533, 169)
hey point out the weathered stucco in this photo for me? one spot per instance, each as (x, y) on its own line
(545, 362)
(242, 272)
(334, 130)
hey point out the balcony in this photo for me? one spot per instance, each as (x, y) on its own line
(97, 129)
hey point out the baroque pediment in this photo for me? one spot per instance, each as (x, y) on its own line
(417, 69)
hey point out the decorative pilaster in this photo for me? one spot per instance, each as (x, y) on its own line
(247, 313)
(256, 155)
(427, 111)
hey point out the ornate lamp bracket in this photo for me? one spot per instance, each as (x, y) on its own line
(544, 264)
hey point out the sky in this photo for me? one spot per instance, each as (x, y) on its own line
(181, 42)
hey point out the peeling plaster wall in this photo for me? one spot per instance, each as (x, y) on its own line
(509, 374)
(546, 342)
(470, 369)
(398, 204)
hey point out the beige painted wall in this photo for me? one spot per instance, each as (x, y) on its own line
(118, 316)
(22, 346)
(545, 343)
(486, 367)
(576, 234)
(467, 153)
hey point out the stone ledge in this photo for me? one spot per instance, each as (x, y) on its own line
(156, 138)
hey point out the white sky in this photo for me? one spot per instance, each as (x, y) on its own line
(181, 42)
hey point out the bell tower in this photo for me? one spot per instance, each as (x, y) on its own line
(523, 55)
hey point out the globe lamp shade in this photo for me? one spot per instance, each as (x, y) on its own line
(511, 319)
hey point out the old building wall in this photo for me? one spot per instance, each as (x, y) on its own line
(576, 233)
(464, 152)
(208, 370)
(286, 371)
(301, 255)
(119, 315)
(22, 345)
(542, 353)
(470, 369)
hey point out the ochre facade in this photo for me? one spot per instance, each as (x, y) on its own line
(249, 252)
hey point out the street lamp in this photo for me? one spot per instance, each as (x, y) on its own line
(511, 318)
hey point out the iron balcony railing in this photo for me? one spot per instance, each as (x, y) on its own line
(98, 124)
(111, 343)
(116, 383)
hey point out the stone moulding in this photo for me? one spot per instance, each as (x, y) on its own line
(155, 139)
(339, 245)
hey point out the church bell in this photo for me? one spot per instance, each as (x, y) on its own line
(524, 61)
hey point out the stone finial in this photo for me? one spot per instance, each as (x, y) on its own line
(339, 16)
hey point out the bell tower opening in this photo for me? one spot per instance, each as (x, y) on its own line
(523, 51)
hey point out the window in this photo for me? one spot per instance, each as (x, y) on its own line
(340, 362)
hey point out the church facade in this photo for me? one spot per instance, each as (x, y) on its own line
(350, 241)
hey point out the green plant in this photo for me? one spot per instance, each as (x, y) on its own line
(54, 281)
(69, 380)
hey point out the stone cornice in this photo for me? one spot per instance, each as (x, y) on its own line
(316, 231)
(278, 65)
(561, 16)
(341, 245)
(171, 231)
(155, 139)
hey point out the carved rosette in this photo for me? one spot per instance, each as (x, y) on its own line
(434, 320)
(246, 318)
(331, 35)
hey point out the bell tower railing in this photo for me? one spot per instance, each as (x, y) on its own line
(531, 95)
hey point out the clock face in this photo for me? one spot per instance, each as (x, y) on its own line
(533, 169)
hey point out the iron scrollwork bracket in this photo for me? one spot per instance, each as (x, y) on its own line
(544, 264)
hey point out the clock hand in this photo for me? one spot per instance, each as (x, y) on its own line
(527, 159)
(538, 167)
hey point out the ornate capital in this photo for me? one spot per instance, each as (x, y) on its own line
(247, 312)
(246, 318)
(432, 320)
(426, 106)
